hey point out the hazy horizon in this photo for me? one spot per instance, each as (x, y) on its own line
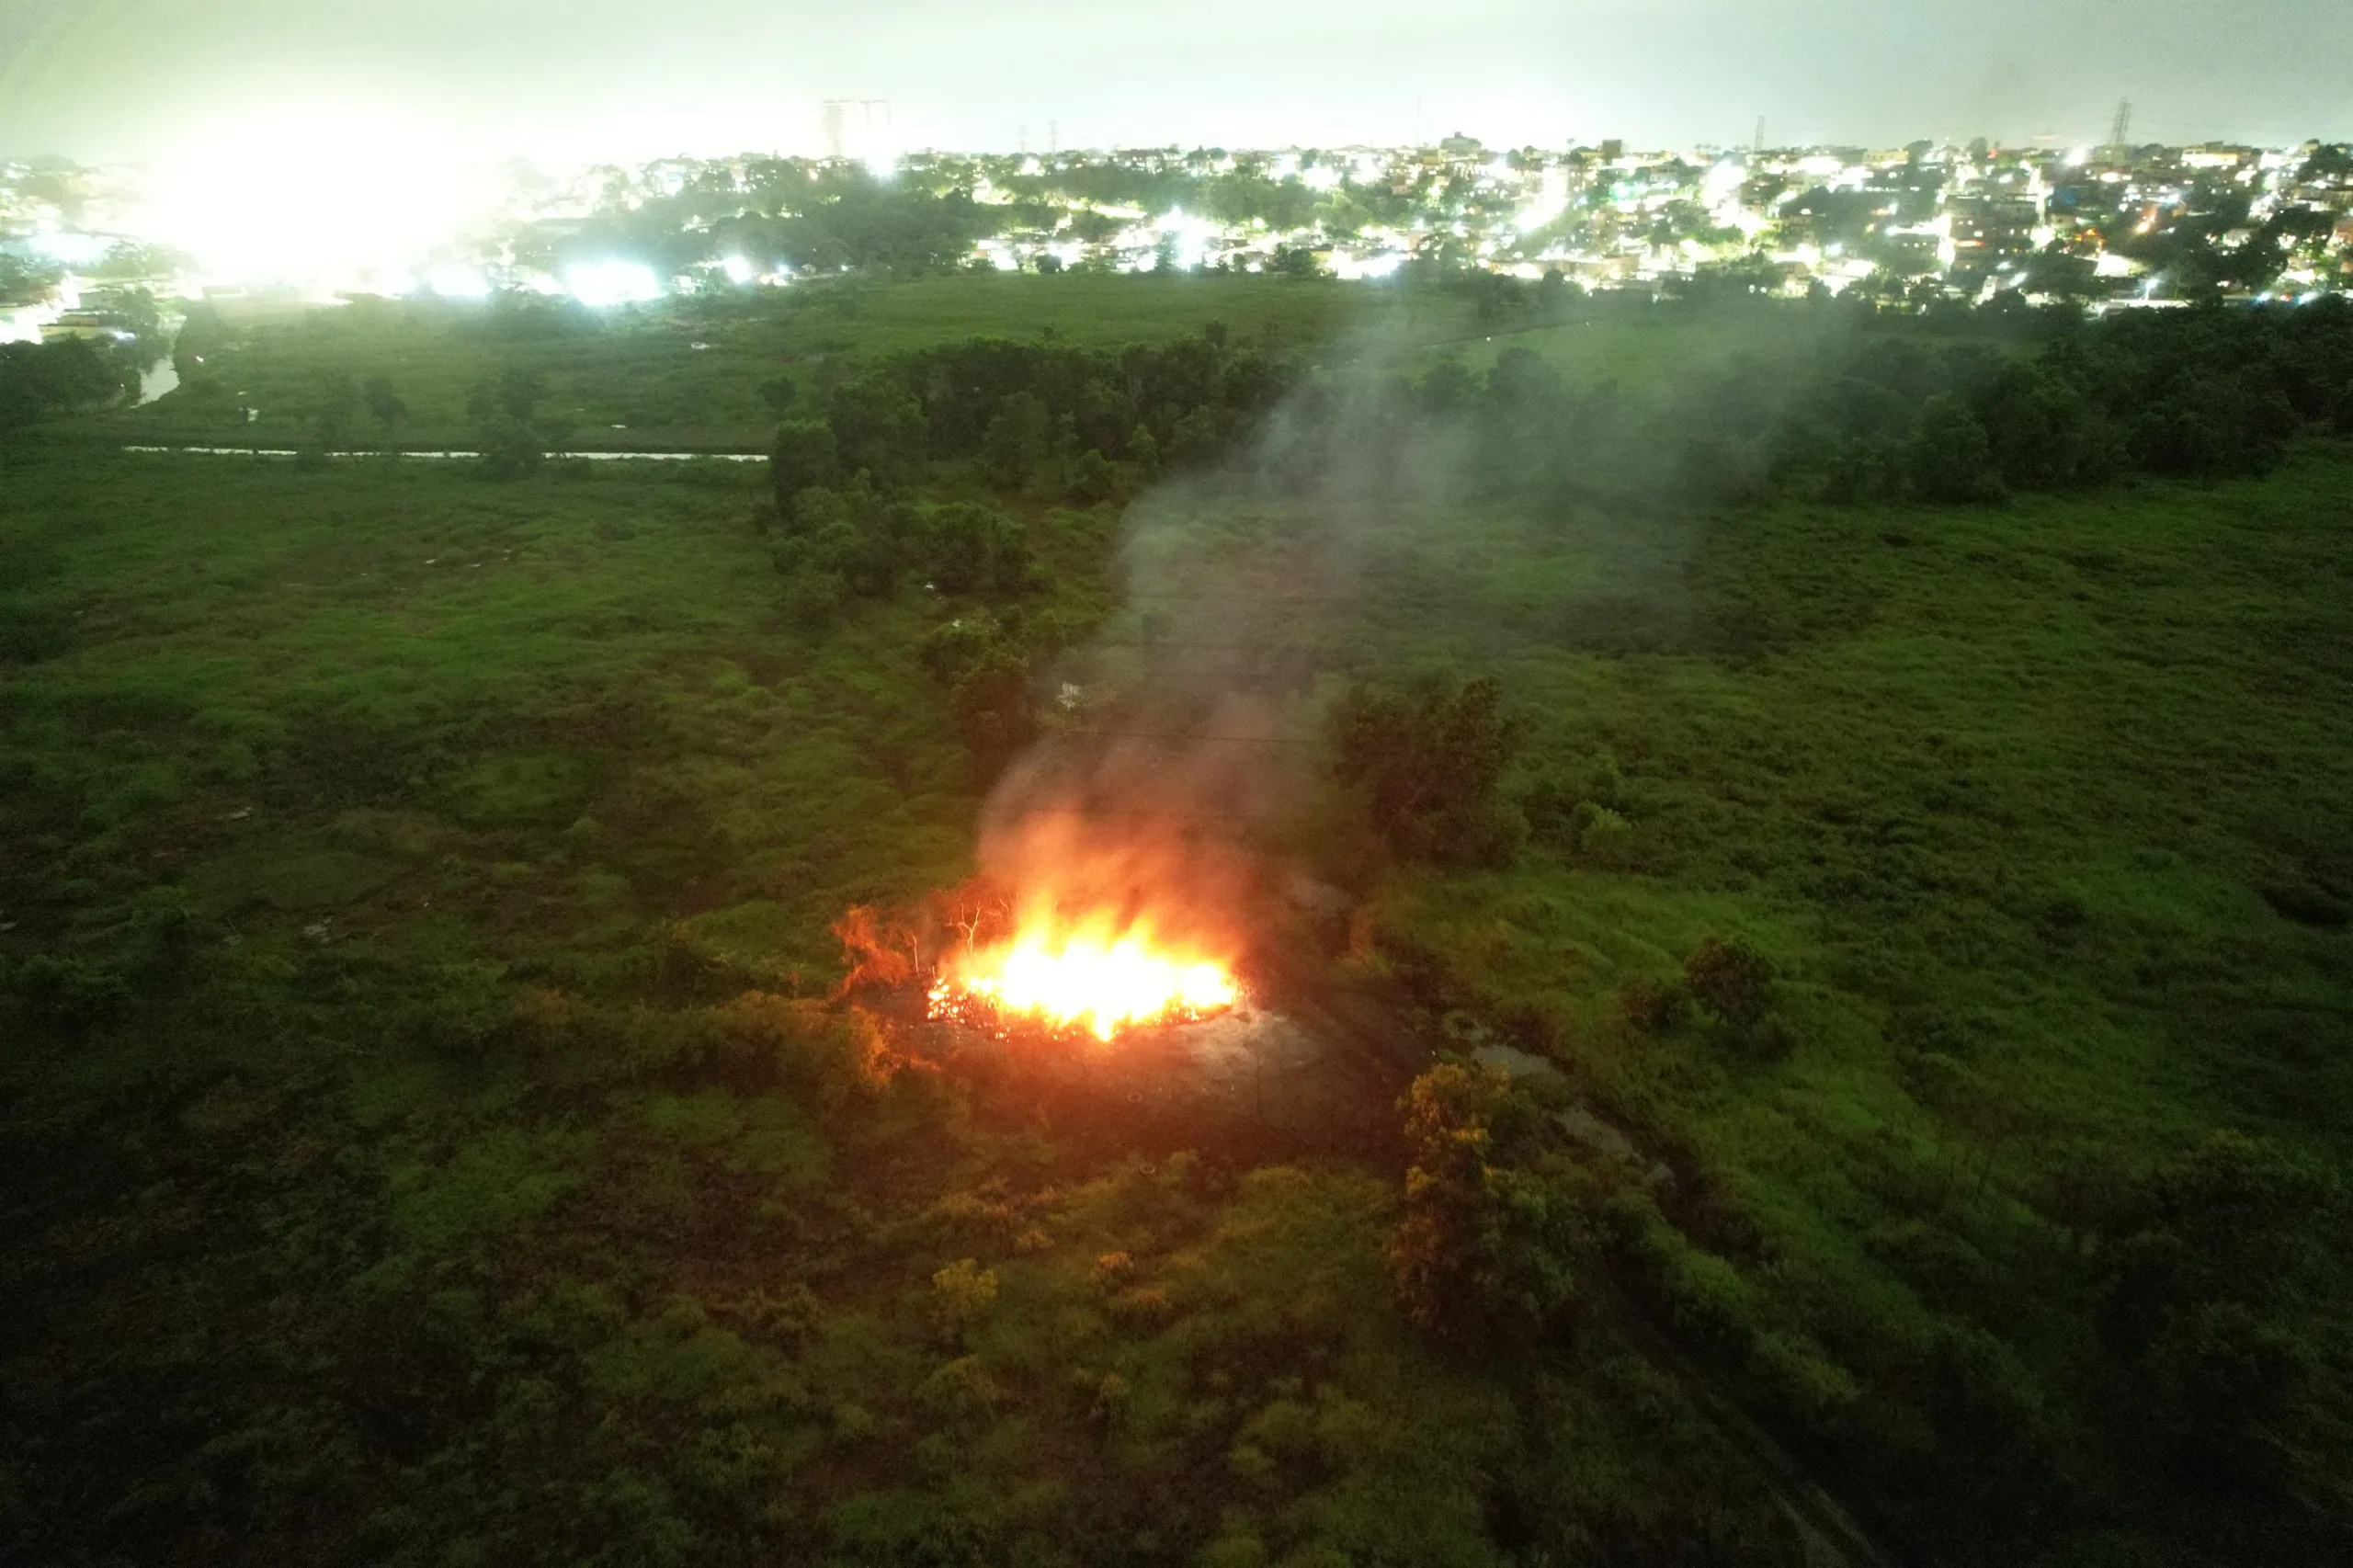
(102, 81)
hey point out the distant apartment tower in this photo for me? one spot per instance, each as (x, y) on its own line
(850, 125)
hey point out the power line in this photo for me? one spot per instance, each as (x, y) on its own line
(1130, 815)
(1180, 739)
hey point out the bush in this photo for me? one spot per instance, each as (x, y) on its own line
(2043, 433)
(876, 427)
(41, 379)
(1655, 1008)
(1092, 478)
(1948, 458)
(813, 599)
(1601, 835)
(804, 456)
(990, 706)
(1019, 442)
(1731, 979)
(977, 551)
(961, 1294)
(1428, 768)
(67, 992)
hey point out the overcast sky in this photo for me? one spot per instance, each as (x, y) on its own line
(104, 79)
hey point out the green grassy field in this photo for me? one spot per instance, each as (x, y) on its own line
(427, 1140)
(2037, 812)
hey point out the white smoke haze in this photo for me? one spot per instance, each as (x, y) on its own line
(1177, 781)
(1391, 519)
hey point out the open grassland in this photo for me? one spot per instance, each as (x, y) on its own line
(2041, 812)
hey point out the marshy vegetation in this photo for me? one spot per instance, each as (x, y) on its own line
(1895, 778)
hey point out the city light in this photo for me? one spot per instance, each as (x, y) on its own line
(457, 282)
(601, 284)
(324, 198)
(338, 200)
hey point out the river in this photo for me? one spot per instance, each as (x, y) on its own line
(552, 457)
(157, 378)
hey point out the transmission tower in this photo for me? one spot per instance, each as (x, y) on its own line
(2122, 125)
(1758, 145)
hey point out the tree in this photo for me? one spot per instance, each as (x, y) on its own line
(1017, 442)
(2043, 433)
(878, 427)
(1434, 1252)
(1296, 261)
(1428, 768)
(21, 282)
(505, 410)
(961, 1294)
(2060, 274)
(990, 706)
(1948, 457)
(1731, 979)
(331, 420)
(386, 404)
(2328, 161)
(977, 549)
(804, 456)
(1447, 388)
(1092, 478)
(1479, 1238)
(41, 379)
(2220, 1293)
(1145, 452)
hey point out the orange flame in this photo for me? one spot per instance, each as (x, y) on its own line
(1098, 974)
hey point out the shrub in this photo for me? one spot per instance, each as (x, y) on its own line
(1430, 765)
(990, 706)
(1948, 457)
(1017, 442)
(961, 1294)
(1092, 478)
(1655, 1008)
(69, 993)
(1601, 835)
(977, 551)
(804, 455)
(1731, 979)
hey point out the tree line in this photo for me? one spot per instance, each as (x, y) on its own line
(1903, 412)
(38, 379)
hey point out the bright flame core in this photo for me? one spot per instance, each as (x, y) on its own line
(1105, 980)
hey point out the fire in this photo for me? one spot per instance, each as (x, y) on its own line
(1106, 979)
